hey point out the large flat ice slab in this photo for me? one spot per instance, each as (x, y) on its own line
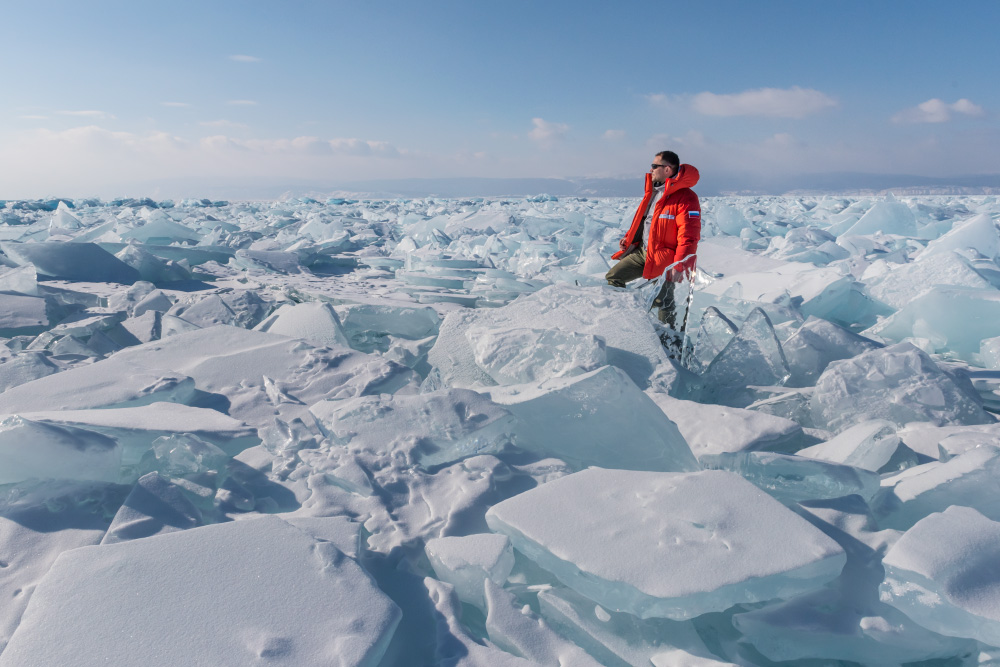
(206, 596)
(672, 545)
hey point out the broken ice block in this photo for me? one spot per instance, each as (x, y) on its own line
(815, 345)
(515, 356)
(369, 326)
(713, 429)
(899, 383)
(752, 357)
(954, 319)
(239, 624)
(714, 333)
(791, 478)
(34, 450)
(467, 562)
(673, 545)
(154, 506)
(25, 367)
(22, 315)
(887, 217)
(71, 261)
(979, 233)
(917, 492)
(868, 445)
(598, 418)
(943, 574)
(429, 429)
(902, 284)
(315, 322)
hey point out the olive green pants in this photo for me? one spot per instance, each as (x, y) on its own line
(628, 269)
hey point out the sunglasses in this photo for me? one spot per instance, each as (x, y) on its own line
(654, 166)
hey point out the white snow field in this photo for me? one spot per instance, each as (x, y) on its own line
(426, 433)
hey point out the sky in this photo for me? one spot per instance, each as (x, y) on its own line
(110, 98)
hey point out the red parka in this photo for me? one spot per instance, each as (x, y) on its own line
(675, 224)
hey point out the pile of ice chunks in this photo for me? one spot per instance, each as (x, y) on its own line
(425, 431)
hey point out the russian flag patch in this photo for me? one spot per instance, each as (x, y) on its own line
(694, 214)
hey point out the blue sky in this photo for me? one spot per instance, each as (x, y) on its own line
(114, 98)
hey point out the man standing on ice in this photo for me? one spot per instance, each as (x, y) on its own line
(662, 233)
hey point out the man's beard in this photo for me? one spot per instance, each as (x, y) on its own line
(658, 183)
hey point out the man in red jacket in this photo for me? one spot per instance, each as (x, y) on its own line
(665, 231)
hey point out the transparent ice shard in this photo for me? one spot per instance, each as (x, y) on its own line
(369, 326)
(598, 418)
(989, 352)
(900, 384)
(714, 333)
(869, 445)
(71, 261)
(467, 562)
(671, 545)
(942, 574)
(918, 492)
(753, 357)
(817, 343)
(428, 429)
(620, 639)
(791, 478)
(979, 233)
(151, 267)
(153, 507)
(316, 323)
(86, 587)
(519, 355)
(23, 280)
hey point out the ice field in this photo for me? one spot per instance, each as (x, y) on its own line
(425, 432)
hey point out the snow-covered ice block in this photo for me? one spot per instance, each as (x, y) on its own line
(316, 323)
(673, 545)
(968, 479)
(791, 478)
(517, 630)
(953, 319)
(943, 574)
(205, 596)
(22, 280)
(151, 267)
(615, 315)
(34, 450)
(978, 233)
(887, 217)
(22, 314)
(516, 356)
(869, 445)
(713, 429)
(901, 285)
(925, 438)
(25, 367)
(599, 418)
(340, 531)
(753, 357)
(429, 429)
(815, 345)
(71, 261)
(899, 383)
(617, 638)
(467, 562)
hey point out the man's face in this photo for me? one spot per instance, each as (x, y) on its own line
(661, 171)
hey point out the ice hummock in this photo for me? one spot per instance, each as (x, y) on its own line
(686, 543)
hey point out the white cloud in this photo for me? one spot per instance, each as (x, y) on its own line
(792, 102)
(87, 113)
(614, 135)
(175, 104)
(937, 111)
(244, 58)
(242, 103)
(33, 117)
(547, 134)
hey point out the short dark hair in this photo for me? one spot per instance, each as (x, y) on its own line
(670, 158)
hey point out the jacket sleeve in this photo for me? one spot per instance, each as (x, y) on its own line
(688, 233)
